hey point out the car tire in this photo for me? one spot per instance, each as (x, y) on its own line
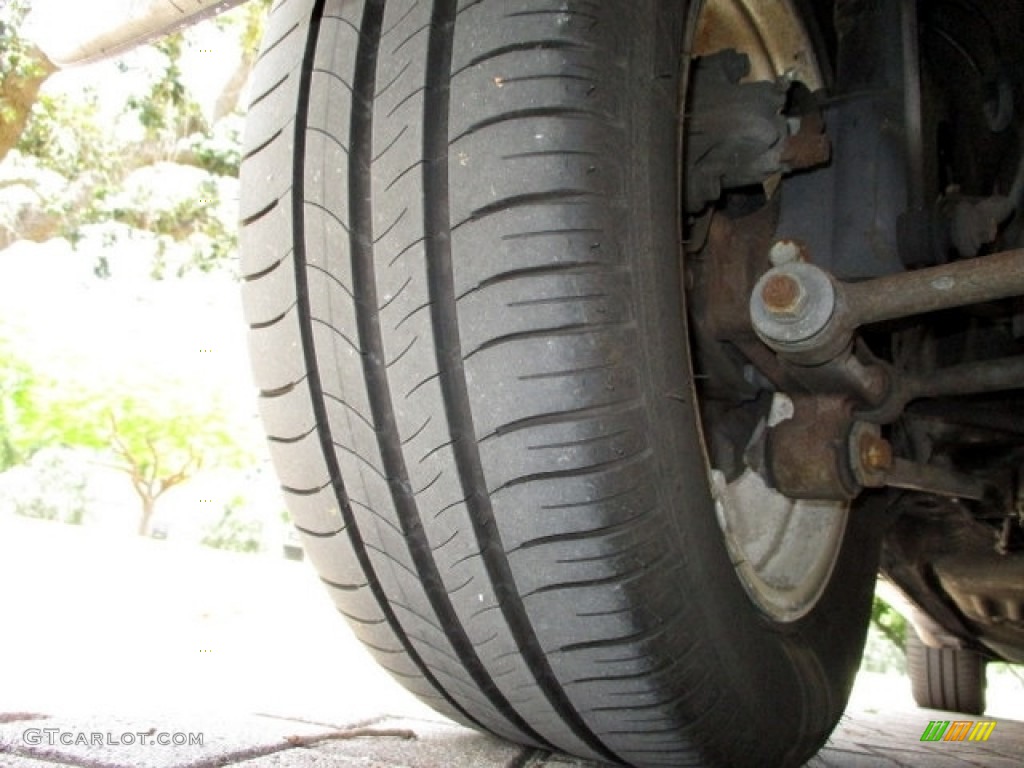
(950, 679)
(462, 276)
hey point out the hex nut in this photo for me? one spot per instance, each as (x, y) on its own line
(791, 304)
(784, 296)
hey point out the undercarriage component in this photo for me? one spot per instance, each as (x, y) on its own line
(772, 35)
(822, 453)
(881, 358)
(819, 323)
(849, 213)
(985, 376)
(816, 453)
(808, 453)
(738, 133)
(973, 224)
(968, 596)
(986, 591)
(105, 28)
(939, 481)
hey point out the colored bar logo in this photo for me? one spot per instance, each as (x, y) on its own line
(958, 730)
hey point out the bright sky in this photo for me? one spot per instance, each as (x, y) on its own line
(67, 318)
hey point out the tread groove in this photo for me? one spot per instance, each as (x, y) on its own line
(417, 433)
(276, 43)
(392, 144)
(531, 113)
(291, 440)
(612, 580)
(266, 271)
(375, 370)
(353, 409)
(273, 321)
(318, 534)
(270, 394)
(336, 332)
(330, 137)
(565, 374)
(546, 270)
(394, 298)
(567, 196)
(525, 46)
(315, 383)
(569, 329)
(259, 148)
(269, 92)
(448, 348)
(333, 278)
(591, 469)
(249, 220)
(566, 299)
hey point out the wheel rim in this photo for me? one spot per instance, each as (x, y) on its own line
(771, 34)
(783, 550)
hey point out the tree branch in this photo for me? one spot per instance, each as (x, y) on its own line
(190, 467)
(20, 93)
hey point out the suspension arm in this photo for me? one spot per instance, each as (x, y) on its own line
(809, 317)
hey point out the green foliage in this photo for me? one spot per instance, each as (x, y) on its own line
(158, 432)
(168, 112)
(13, 62)
(184, 210)
(95, 141)
(889, 623)
(219, 151)
(884, 651)
(17, 62)
(66, 136)
(233, 531)
(18, 409)
(53, 485)
(250, 18)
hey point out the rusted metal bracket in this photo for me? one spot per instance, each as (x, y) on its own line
(738, 133)
(873, 464)
(822, 452)
(801, 336)
(832, 447)
(808, 456)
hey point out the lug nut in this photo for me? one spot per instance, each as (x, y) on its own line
(783, 296)
(875, 453)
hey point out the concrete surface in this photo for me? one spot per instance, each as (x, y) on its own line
(863, 741)
(122, 641)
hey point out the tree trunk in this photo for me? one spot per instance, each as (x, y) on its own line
(231, 95)
(148, 508)
(17, 95)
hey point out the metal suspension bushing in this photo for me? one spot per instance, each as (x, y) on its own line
(793, 308)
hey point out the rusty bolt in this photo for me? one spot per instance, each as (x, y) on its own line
(783, 296)
(875, 453)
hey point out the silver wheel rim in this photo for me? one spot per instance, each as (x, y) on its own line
(783, 550)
